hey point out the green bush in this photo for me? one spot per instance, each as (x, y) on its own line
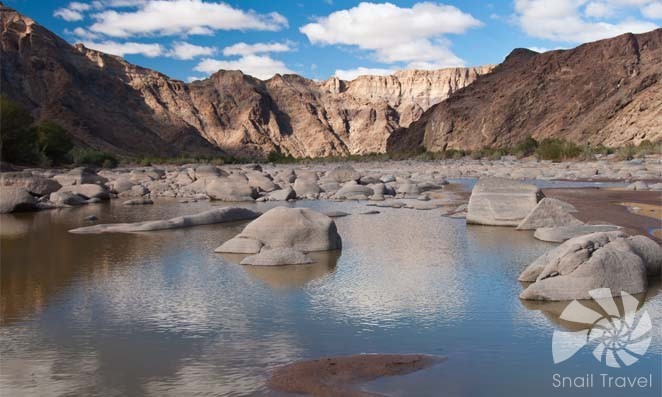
(526, 148)
(95, 158)
(17, 138)
(557, 149)
(53, 142)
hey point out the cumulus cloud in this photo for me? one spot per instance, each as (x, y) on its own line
(68, 15)
(260, 66)
(351, 74)
(575, 21)
(127, 48)
(653, 10)
(244, 49)
(163, 17)
(185, 51)
(395, 34)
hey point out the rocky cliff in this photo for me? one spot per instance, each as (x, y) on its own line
(110, 104)
(607, 92)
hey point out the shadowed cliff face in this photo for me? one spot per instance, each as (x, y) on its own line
(110, 104)
(607, 92)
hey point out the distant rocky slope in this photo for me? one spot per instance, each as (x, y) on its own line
(607, 92)
(110, 104)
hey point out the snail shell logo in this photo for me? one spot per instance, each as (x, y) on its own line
(621, 338)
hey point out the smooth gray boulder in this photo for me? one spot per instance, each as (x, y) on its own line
(282, 194)
(230, 188)
(66, 199)
(344, 173)
(240, 245)
(34, 184)
(88, 190)
(80, 176)
(261, 182)
(560, 234)
(120, 185)
(353, 191)
(306, 187)
(600, 260)
(299, 228)
(16, 199)
(216, 215)
(277, 257)
(501, 202)
(550, 212)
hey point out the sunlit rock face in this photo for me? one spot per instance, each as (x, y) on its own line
(110, 104)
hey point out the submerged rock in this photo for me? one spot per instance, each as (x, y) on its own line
(599, 260)
(217, 215)
(139, 201)
(501, 202)
(299, 228)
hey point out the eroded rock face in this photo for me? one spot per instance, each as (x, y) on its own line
(110, 104)
(599, 260)
(606, 92)
(501, 202)
(301, 229)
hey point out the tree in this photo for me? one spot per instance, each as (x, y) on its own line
(53, 141)
(17, 138)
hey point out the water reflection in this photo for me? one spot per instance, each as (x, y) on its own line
(290, 276)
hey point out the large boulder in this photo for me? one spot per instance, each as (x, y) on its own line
(301, 229)
(600, 260)
(34, 184)
(80, 176)
(282, 194)
(16, 199)
(306, 187)
(88, 190)
(66, 199)
(353, 191)
(344, 173)
(550, 212)
(560, 234)
(501, 202)
(231, 188)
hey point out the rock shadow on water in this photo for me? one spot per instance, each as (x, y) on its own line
(552, 309)
(287, 277)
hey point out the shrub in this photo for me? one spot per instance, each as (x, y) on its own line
(526, 148)
(557, 149)
(94, 158)
(17, 138)
(53, 142)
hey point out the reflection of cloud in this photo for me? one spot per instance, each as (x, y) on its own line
(405, 267)
(47, 373)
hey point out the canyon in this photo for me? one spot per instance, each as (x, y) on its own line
(113, 105)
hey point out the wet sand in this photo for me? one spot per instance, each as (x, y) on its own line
(341, 376)
(599, 206)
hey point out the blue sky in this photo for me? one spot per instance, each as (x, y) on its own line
(188, 39)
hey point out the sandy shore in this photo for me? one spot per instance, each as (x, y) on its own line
(341, 376)
(599, 206)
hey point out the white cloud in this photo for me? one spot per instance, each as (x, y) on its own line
(77, 6)
(394, 34)
(653, 10)
(122, 49)
(162, 17)
(184, 50)
(68, 14)
(351, 74)
(260, 66)
(191, 79)
(561, 20)
(83, 34)
(257, 48)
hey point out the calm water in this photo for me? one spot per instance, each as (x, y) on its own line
(161, 314)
